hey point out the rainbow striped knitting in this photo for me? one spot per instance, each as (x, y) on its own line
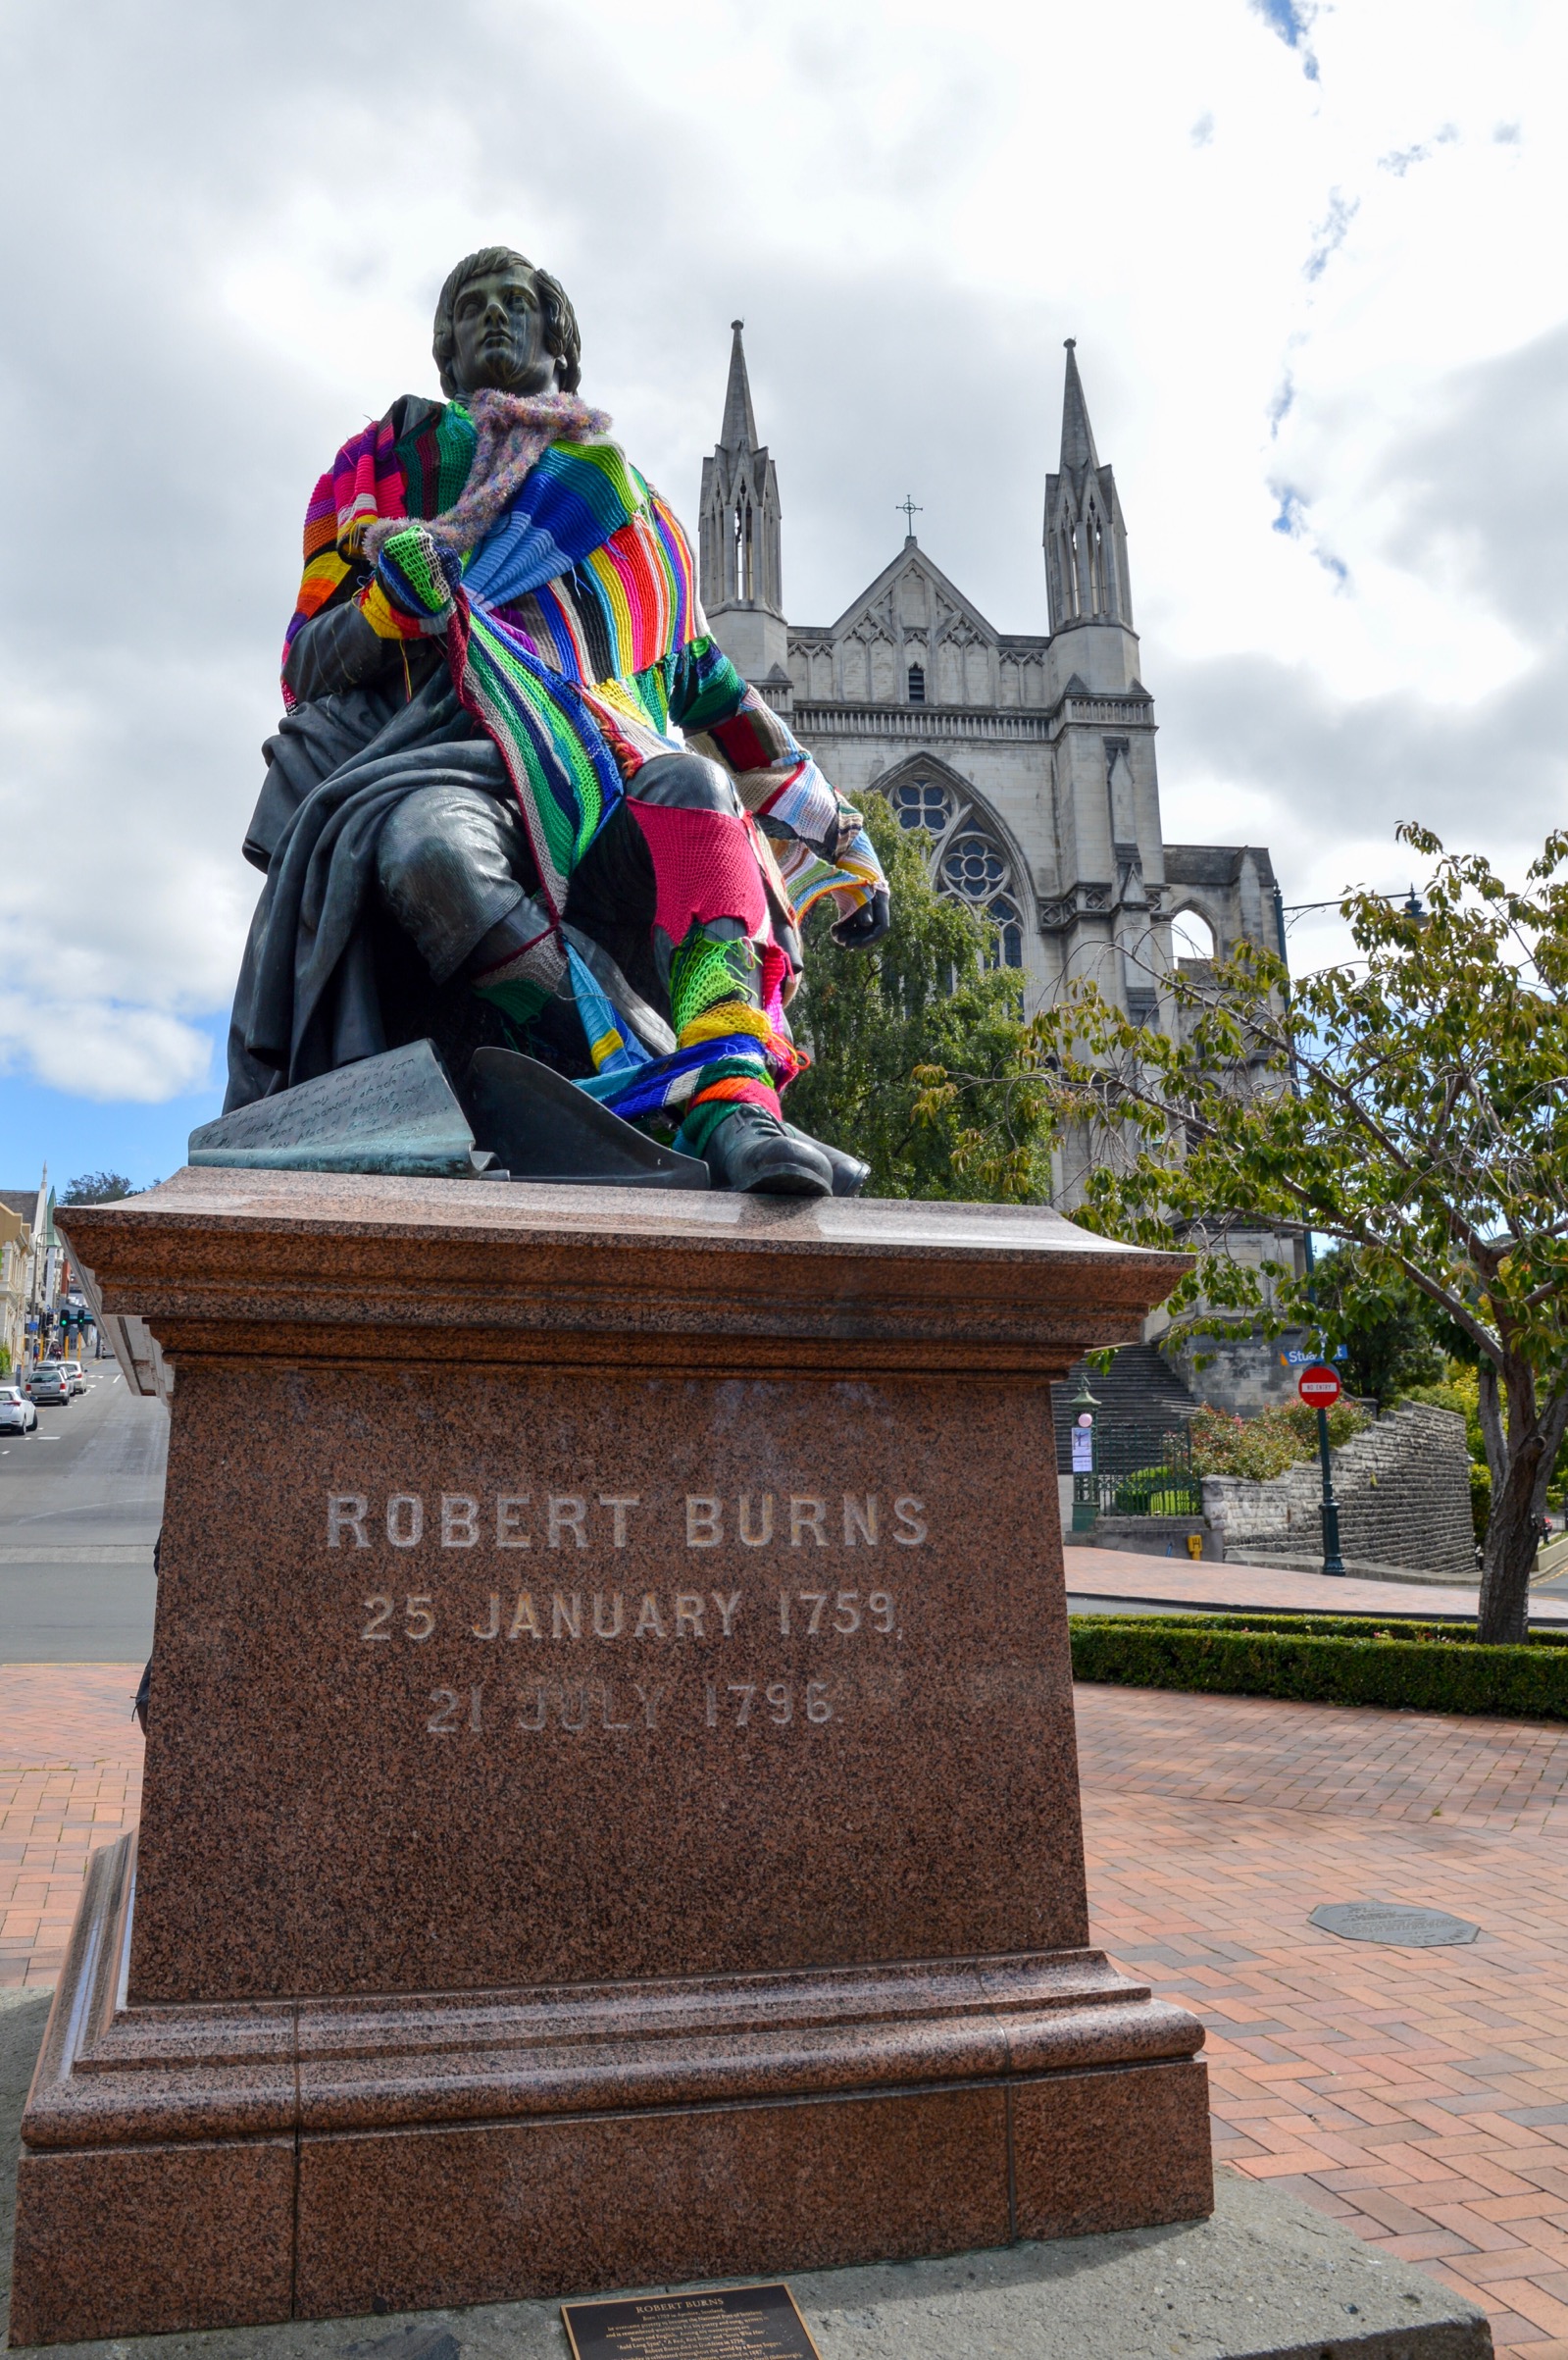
(574, 634)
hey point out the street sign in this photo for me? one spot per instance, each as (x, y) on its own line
(1318, 1387)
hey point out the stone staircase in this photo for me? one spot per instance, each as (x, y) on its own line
(1138, 1394)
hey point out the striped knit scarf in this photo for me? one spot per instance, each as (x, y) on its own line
(512, 434)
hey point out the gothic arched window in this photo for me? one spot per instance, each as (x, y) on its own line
(1192, 935)
(745, 580)
(1009, 933)
(917, 684)
(967, 862)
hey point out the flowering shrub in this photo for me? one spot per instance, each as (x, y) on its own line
(1258, 1447)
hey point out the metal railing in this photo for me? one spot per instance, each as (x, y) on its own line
(1140, 1474)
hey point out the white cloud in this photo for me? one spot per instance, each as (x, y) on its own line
(1308, 253)
(96, 1049)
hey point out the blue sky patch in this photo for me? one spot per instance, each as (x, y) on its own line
(1292, 19)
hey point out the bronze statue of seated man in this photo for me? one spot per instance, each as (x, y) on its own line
(519, 795)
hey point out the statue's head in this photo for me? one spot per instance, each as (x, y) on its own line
(501, 323)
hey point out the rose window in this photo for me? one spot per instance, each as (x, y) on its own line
(967, 862)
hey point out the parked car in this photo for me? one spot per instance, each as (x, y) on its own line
(72, 1369)
(17, 1413)
(49, 1383)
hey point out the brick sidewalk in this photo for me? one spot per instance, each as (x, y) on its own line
(69, 1779)
(1420, 2095)
(1235, 1587)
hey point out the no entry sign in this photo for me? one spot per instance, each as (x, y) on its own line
(1318, 1387)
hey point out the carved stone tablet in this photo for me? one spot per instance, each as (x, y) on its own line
(392, 1114)
(1392, 1922)
(727, 2322)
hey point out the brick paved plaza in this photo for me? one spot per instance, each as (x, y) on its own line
(69, 1779)
(1421, 2095)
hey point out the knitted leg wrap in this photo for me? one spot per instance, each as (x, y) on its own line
(716, 991)
(505, 965)
(518, 995)
(518, 998)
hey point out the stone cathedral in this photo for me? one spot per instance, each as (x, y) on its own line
(1029, 759)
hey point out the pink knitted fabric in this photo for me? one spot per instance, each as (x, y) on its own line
(703, 867)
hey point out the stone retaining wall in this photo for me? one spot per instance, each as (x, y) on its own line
(1403, 1488)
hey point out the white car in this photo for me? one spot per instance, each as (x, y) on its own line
(72, 1369)
(17, 1413)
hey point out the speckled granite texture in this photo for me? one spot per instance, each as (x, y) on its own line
(611, 1805)
(1264, 2279)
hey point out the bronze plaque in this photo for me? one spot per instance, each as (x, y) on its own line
(729, 2322)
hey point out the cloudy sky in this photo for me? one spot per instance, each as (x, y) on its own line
(1312, 256)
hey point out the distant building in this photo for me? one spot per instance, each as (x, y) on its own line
(31, 1258)
(16, 1243)
(1028, 757)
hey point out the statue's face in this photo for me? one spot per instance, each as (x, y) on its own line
(498, 332)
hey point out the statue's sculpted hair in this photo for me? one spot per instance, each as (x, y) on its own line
(562, 340)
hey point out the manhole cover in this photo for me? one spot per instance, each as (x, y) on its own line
(1392, 1922)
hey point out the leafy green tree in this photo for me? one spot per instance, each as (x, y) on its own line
(1385, 1324)
(1410, 1104)
(97, 1188)
(877, 1024)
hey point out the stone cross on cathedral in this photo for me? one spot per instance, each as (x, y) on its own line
(909, 508)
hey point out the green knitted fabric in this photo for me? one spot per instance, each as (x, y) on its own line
(701, 1123)
(518, 998)
(703, 973)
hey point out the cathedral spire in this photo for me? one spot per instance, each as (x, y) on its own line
(739, 428)
(1078, 435)
(740, 539)
(1086, 537)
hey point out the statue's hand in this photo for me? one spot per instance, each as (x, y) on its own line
(409, 595)
(866, 925)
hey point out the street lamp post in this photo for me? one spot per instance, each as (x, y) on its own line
(1086, 1502)
(1333, 1562)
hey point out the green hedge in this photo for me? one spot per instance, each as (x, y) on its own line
(1327, 1658)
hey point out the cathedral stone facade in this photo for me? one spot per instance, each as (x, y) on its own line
(1029, 758)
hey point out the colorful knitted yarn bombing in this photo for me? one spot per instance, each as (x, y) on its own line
(730, 1029)
(574, 634)
(413, 462)
(782, 786)
(409, 596)
(560, 763)
(704, 867)
(716, 991)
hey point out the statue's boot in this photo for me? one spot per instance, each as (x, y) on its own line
(849, 1173)
(751, 1150)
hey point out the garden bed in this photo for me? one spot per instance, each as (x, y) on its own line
(1328, 1659)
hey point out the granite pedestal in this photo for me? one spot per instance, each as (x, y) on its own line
(611, 1805)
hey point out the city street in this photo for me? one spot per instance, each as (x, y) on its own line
(80, 1503)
